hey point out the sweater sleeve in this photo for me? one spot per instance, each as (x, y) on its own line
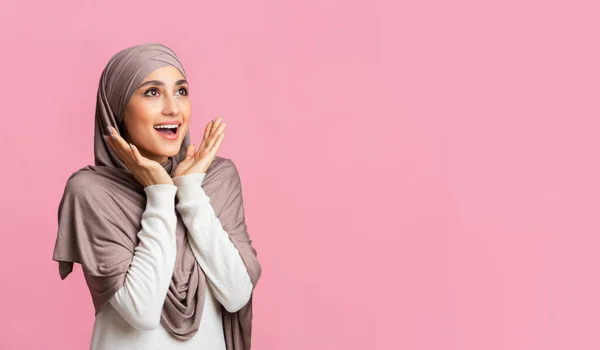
(140, 300)
(220, 260)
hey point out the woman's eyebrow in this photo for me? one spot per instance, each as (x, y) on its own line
(161, 83)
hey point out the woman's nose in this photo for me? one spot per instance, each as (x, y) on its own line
(171, 106)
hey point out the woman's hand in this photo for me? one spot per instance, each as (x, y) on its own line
(146, 171)
(198, 161)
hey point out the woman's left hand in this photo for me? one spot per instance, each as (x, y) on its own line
(198, 161)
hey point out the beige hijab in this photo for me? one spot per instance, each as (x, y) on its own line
(100, 212)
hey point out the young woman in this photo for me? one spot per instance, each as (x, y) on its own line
(157, 224)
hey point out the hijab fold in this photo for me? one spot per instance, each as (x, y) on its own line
(100, 212)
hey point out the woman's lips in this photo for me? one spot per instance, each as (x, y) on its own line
(170, 137)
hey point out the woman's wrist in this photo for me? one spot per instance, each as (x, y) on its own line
(189, 186)
(160, 195)
(181, 178)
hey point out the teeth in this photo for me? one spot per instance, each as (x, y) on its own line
(172, 126)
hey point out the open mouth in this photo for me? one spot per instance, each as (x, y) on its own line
(169, 131)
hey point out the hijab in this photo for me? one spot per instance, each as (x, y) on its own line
(100, 212)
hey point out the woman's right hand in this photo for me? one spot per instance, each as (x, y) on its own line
(146, 171)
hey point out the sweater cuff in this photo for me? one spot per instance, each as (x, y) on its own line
(189, 186)
(161, 195)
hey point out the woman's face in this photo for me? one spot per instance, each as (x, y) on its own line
(162, 98)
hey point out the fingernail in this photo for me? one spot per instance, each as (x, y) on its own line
(109, 130)
(114, 137)
(131, 146)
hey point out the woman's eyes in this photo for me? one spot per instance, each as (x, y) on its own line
(149, 90)
(156, 90)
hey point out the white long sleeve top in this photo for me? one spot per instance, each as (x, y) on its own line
(131, 319)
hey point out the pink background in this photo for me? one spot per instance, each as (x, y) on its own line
(417, 174)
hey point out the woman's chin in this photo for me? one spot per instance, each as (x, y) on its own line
(171, 148)
(164, 152)
(170, 153)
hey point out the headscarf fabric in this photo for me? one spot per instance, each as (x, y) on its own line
(100, 212)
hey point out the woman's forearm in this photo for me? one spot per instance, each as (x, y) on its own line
(220, 260)
(140, 300)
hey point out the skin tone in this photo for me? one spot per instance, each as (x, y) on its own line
(163, 96)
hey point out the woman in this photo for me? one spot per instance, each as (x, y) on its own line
(156, 224)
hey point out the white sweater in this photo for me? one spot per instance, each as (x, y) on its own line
(131, 319)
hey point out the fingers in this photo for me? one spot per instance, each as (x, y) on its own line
(218, 141)
(211, 126)
(121, 141)
(213, 130)
(121, 147)
(135, 152)
(207, 130)
(210, 133)
(215, 125)
(216, 134)
(190, 151)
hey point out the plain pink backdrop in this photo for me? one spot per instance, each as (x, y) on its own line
(416, 174)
